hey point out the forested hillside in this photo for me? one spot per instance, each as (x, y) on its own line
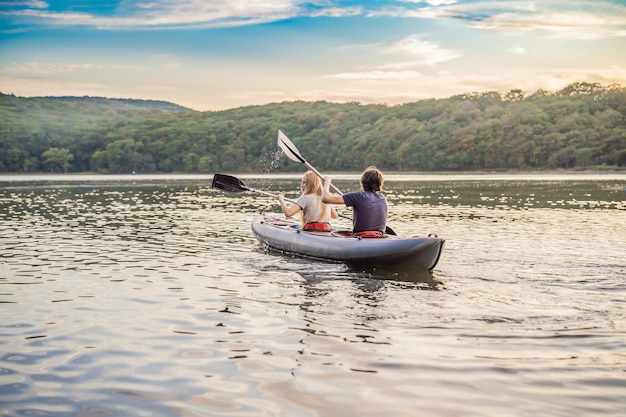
(120, 103)
(581, 126)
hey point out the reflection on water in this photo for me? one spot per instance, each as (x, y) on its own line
(150, 296)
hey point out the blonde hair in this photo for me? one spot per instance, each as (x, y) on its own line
(313, 185)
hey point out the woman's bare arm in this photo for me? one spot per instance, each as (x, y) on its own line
(288, 211)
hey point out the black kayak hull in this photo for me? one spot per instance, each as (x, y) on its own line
(419, 253)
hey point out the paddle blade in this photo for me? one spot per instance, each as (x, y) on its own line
(289, 148)
(228, 183)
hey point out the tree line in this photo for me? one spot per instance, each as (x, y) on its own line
(582, 126)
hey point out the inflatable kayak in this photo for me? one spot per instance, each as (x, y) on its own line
(420, 253)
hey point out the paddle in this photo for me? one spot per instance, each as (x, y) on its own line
(292, 153)
(232, 184)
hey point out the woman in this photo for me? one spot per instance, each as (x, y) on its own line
(370, 206)
(315, 214)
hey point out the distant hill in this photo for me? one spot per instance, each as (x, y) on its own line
(582, 126)
(121, 103)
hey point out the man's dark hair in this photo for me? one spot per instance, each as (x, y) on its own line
(372, 179)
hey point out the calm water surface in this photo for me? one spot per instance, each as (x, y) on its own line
(149, 296)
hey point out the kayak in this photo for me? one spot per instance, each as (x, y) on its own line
(420, 253)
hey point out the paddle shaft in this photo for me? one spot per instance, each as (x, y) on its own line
(267, 194)
(316, 172)
(286, 199)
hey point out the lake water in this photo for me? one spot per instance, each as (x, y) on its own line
(149, 296)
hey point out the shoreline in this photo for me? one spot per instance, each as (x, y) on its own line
(618, 175)
(612, 170)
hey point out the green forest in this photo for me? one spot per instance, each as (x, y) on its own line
(582, 126)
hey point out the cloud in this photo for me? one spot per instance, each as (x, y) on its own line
(561, 24)
(47, 69)
(164, 14)
(578, 19)
(335, 12)
(518, 50)
(39, 68)
(551, 80)
(413, 50)
(34, 4)
(563, 19)
(376, 75)
(440, 2)
(433, 2)
(572, 19)
(446, 84)
(423, 51)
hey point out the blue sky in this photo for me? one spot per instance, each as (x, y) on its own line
(222, 54)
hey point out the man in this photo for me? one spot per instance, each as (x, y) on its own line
(370, 206)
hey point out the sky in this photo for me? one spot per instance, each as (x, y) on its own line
(212, 55)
